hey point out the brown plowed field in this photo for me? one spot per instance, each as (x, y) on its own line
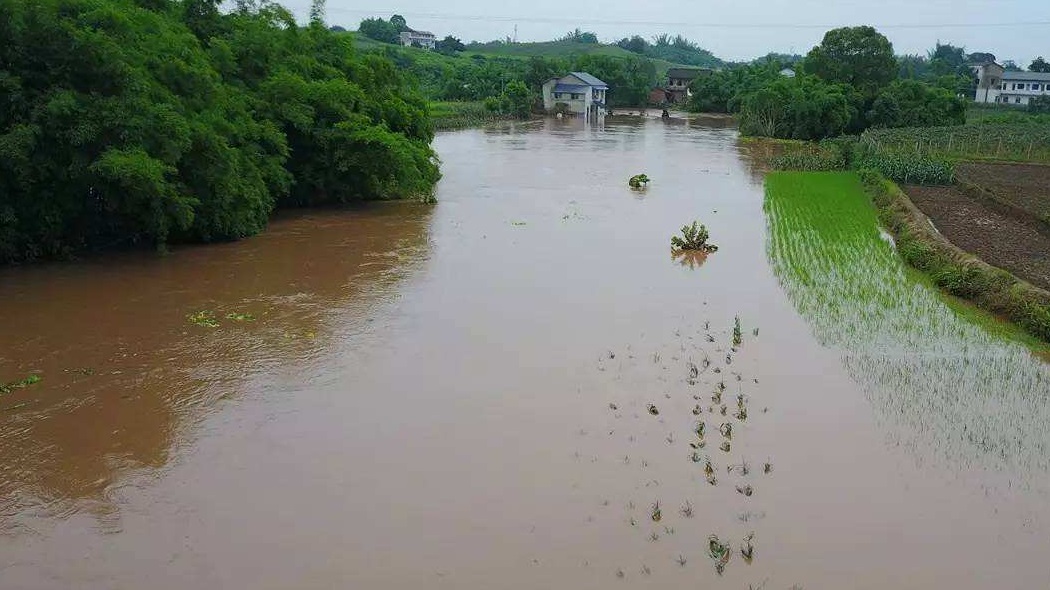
(1025, 187)
(1017, 243)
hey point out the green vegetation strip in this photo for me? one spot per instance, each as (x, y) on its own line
(958, 272)
(948, 382)
(9, 387)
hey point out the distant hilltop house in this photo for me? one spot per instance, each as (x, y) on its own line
(676, 90)
(579, 93)
(996, 85)
(424, 39)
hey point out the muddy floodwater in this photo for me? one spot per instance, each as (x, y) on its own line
(521, 388)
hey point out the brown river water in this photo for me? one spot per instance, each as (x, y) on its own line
(458, 396)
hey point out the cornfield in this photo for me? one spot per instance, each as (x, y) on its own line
(1021, 142)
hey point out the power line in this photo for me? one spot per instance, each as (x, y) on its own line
(680, 24)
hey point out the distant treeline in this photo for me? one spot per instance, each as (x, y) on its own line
(848, 83)
(150, 121)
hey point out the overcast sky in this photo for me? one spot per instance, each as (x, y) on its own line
(738, 30)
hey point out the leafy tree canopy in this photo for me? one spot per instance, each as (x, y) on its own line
(1039, 65)
(858, 56)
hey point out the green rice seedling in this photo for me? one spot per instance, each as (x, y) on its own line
(240, 317)
(768, 467)
(738, 337)
(725, 446)
(653, 410)
(722, 409)
(687, 510)
(720, 552)
(696, 457)
(654, 537)
(747, 548)
(741, 414)
(696, 410)
(709, 469)
(726, 429)
(656, 514)
(746, 490)
(711, 479)
(681, 560)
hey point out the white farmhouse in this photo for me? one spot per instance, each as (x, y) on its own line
(579, 93)
(997, 86)
(424, 39)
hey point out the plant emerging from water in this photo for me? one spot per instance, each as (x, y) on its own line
(22, 384)
(694, 237)
(738, 336)
(203, 318)
(638, 181)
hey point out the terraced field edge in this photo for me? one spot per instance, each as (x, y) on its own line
(952, 269)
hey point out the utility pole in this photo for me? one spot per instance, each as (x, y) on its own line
(515, 34)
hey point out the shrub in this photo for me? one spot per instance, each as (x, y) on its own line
(694, 237)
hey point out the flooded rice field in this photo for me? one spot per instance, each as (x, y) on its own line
(521, 388)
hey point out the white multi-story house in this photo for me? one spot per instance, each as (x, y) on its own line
(579, 93)
(997, 86)
(424, 39)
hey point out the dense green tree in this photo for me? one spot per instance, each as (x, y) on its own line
(122, 124)
(380, 30)
(909, 103)
(804, 107)
(578, 36)
(449, 45)
(1011, 66)
(542, 69)
(858, 56)
(634, 44)
(1039, 65)
(399, 23)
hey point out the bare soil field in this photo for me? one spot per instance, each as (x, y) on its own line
(1017, 243)
(1022, 187)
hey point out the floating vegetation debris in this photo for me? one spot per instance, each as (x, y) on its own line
(22, 384)
(694, 237)
(203, 318)
(638, 181)
(738, 337)
(240, 317)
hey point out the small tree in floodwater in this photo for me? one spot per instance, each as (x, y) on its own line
(638, 181)
(694, 237)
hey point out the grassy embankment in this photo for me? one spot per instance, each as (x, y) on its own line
(450, 115)
(827, 251)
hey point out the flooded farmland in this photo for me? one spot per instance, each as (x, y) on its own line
(521, 388)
